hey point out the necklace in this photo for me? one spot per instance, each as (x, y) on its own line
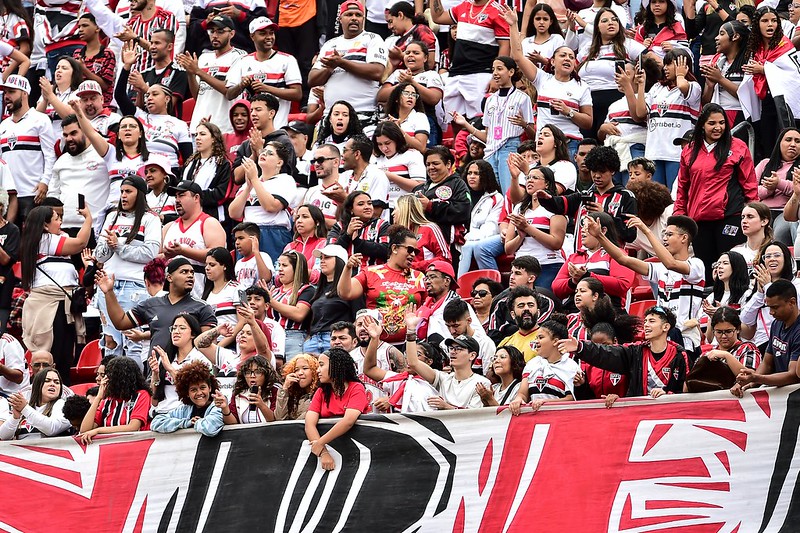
(472, 5)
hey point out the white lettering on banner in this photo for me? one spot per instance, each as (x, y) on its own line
(698, 462)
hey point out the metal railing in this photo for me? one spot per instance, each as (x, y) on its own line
(751, 134)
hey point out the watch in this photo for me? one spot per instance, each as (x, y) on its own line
(571, 113)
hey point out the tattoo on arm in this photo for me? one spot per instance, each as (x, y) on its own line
(207, 338)
(437, 7)
(398, 359)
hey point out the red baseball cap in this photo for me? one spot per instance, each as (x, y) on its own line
(445, 268)
(352, 4)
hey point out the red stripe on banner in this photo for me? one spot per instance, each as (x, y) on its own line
(486, 466)
(762, 400)
(656, 435)
(662, 504)
(723, 458)
(629, 523)
(139, 527)
(736, 437)
(64, 454)
(46, 470)
(458, 525)
(703, 486)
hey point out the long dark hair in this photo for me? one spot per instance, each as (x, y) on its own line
(139, 209)
(650, 24)
(391, 131)
(561, 143)
(393, 103)
(353, 123)
(346, 213)
(550, 181)
(776, 157)
(555, 27)
(514, 355)
(14, 7)
(326, 288)
(217, 144)
(36, 390)
(698, 137)
(488, 179)
(321, 229)
(739, 282)
(77, 71)
(32, 233)
(270, 376)
(342, 370)
(618, 42)
(141, 146)
(756, 39)
(603, 310)
(172, 353)
(734, 27)
(300, 267)
(125, 379)
(222, 256)
(607, 223)
(788, 261)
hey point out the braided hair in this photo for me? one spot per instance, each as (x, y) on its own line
(341, 371)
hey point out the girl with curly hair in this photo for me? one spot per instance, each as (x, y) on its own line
(122, 402)
(197, 388)
(254, 393)
(300, 383)
(209, 167)
(507, 365)
(339, 125)
(340, 393)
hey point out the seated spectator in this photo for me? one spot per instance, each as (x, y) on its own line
(775, 183)
(552, 147)
(310, 235)
(39, 416)
(507, 365)
(355, 338)
(41, 359)
(75, 408)
(102, 118)
(755, 225)
(654, 205)
(483, 291)
(122, 403)
(404, 108)
(221, 291)
(197, 389)
(13, 375)
(655, 367)
(593, 261)
(431, 244)
(301, 380)
(726, 326)
(254, 394)
(440, 285)
(487, 202)
(731, 281)
(340, 393)
(549, 377)
(290, 300)
(165, 362)
(457, 390)
(360, 232)
(523, 306)
(253, 265)
(402, 164)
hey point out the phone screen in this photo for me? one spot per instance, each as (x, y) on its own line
(81, 201)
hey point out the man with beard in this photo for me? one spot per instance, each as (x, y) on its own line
(266, 71)
(440, 280)
(164, 71)
(193, 234)
(159, 311)
(351, 66)
(27, 143)
(387, 355)
(326, 165)
(91, 102)
(79, 171)
(524, 309)
(360, 175)
(207, 75)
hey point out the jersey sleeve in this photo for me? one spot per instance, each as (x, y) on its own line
(14, 356)
(141, 410)
(697, 271)
(234, 76)
(376, 51)
(284, 189)
(292, 75)
(305, 296)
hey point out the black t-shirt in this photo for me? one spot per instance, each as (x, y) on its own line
(174, 78)
(327, 311)
(159, 313)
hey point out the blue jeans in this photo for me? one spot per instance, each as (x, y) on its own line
(572, 146)
(486, 252)
(548, 275)
(128, 293)
(294, 343)
(498, 162)
(273, 240)
(435, 135)
(666, 172)
(621, 177)
(318, 342)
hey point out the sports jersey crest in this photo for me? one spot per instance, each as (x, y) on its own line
(12, 141)
(444, 193)
(614, 378)
(662, 108)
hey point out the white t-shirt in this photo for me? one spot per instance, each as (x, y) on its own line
(279, 71)
(163, 204)
(599, 72)
(210, 102)
(119, 170)
(620, 113)
(315, 197)
(415, 393)
(373, 181)
(366, 47)
(416, 123)
(12, 355)
(164, 133)
(546, 49)
(246, 270)
(540, 219)
(283, 187)
(670, 115)
(460, 393)
(85, 173)
(547, 380)
(588, 15)
(57, 266)
(409, 164)
(224, 303)
(574, 94)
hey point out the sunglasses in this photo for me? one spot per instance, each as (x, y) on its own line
(412, 250)
(480, 293)
(320, 160)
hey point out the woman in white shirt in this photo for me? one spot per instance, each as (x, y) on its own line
(405, 109)
(50, 275)
(221, 291)
(41, 416)
(487, 202)
(507, 364)
(265, 200)
(543, 35)
(57, 93)
(403, 166)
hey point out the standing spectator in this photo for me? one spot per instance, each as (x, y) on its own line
(310, 235)
(101, 118)
(731, 281)
(159, 311)
(671, 108)
(57, 93)
(131, 238)
(408, 27)
(165, 71)
(404, 108)
(298, 36)
(362, 176)
(715, 180)
(654, 206)
(55, 32)
(254, 265)
(79, 171)
(208, 75)
(327, 308)
(266, 71)
(351, 66)
(661, 27)
(543, 34)
(299, 132)
(338, 126)
(484, 219)
(98, 63)
(402, 164)
(724, 72)
(30, 160)
(221, 291)
(145, 19)
(483, 37)
(242, 13)
(9, 253)
(16, 30)
(775, 183)
(290, 301)
(705, 21)
(193, 234)
(210, 169)
(431, 243)
(440, 285)
(240, 122)
(49, 319)
(158, 176)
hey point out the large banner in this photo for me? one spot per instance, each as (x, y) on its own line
(687, 463)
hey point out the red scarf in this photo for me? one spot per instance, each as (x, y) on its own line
(768, 55)
(425, 312)
(396, 399)
(658, 366)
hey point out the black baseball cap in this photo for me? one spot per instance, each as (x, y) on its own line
(298, 126)
(466, 341)
(221, 21)
(183, 186)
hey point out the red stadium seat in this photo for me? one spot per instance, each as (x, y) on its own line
(465, 282)
(187, 109)
(638, 308)
(82, 388)
(88, 362)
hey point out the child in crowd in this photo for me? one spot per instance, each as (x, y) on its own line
(197, 388)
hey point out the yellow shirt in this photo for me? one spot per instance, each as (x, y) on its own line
(524, 343)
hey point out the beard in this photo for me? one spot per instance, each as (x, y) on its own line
(527, 321)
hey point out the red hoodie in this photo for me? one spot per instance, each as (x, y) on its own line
(235, 139)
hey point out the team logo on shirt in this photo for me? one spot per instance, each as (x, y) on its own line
(12, 141)
(539, 382)
(614, 378)
(665, 372)
(662, 108)
(482, 18)
(444, 193)
(92, 166)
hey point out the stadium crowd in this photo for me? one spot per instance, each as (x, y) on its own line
(313, 209)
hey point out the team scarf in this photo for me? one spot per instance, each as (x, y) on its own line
(781, 77)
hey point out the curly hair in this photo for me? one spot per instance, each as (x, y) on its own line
(194, 373)
(341, 371)
(602, 159)
(756, 40)
(651, 199)
(125, 379)
(393, 104)
(260, 362)
(517, 360)
(294, 392)
(353, 123)
(218, 152)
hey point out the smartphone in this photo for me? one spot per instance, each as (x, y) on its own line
(242, 299)
(641, 63)
(81, 201)
(587, 198)
(619, 65)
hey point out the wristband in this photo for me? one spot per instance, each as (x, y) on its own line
(411, 337)
(226, 414)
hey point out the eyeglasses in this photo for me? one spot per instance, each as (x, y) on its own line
(411, 250)
(40, 365)
(254, 372)
(724, 332)
(173, 329)
(479, 294)
(320, 160)
(409, 94)
(772, 256)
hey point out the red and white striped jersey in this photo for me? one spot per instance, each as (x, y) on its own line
(162, 19)
(210, 102)
(670, 115)
(28, 148)
(547, 380)
(409, 164)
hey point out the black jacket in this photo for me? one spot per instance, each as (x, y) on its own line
(289, 167)
(450, 203)
(217, 191)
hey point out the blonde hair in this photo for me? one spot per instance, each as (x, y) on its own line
(409, 212)
(294, 391)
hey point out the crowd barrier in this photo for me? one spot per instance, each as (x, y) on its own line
(696, 463)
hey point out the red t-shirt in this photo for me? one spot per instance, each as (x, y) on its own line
(390, 291)
(116, 412)
(354, 397)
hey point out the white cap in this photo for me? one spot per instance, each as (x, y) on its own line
(331, 250)
(17, 82)
(89, 86)
(261, 23)
(158, 160)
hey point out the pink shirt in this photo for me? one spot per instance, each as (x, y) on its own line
(775, 199)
